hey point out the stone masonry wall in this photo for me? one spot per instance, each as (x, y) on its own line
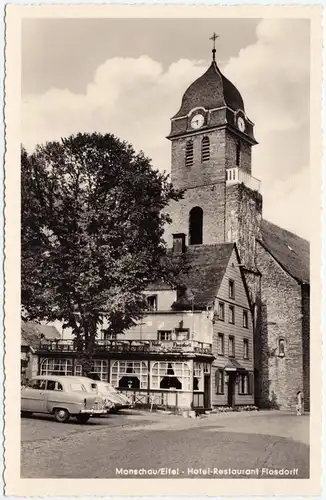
(243, 213)
(281, 318)
(205, 187)
(211, 200)
(199, 173)
(231, 152)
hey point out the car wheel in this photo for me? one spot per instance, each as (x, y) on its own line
(61, 415)
(26, 414)
(83, 418)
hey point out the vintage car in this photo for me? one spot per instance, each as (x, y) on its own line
(124, 401)
(115, 400)
(64, 397)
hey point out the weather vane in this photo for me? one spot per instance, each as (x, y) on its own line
(214, 38)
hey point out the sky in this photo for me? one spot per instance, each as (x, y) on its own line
(127, 77)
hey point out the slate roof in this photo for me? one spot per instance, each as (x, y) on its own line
(31, 333)
(211, 90)
(202, 268)
(288, 249)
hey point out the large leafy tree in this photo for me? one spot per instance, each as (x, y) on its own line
(92, 234)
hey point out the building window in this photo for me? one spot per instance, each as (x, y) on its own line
(246, 383)
(221, 311)
(196, 226)
(207, 368)
(219, 381)
(231, 347)
(231, 289)
(54, 366)
(164, 335)
(170, 375)
(182, 333)
(189, 153)
(179, 243)
(281, 347)
(78, 370)
(220, 344)
(205, 149)
(245, 319)
(129, 374)
(198, 382)
(245, 349)
(151, 302)
(231, 314)
(238, 153)
(99, 370)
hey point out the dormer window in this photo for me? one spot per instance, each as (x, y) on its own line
(189, 153)
(151, 302)
(205, 149)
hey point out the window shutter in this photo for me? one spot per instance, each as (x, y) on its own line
(205, 149)
(189, 153)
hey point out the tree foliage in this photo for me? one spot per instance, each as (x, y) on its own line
(92, 229)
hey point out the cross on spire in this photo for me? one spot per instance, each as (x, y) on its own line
(214, 38)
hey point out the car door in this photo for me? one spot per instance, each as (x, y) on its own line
(54, 395)
(33, 398)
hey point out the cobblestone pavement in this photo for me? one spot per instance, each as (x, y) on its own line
(218, 445)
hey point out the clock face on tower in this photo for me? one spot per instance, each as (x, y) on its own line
(197, 121)
(241, 124)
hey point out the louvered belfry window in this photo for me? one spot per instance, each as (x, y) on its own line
(189, 153)
(205, 149)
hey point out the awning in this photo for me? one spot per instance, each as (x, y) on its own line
(233, 366)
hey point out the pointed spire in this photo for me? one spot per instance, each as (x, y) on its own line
(214, 37)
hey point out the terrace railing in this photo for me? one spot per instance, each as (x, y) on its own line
(236, 175)
(137, 346)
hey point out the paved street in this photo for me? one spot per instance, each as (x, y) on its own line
(219, 445)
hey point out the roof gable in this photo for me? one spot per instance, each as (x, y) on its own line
(288, 249)
(31, 333)
(202, 268)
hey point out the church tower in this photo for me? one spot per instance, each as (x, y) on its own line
(211, 139)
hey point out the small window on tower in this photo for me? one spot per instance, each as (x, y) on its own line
(205, 149)
(189, 153)
(281, 347)
(238, 153)
(196, 226)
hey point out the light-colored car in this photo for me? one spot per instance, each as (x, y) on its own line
(124, 401)
(92, 386)
(61, 396)
(115, 399)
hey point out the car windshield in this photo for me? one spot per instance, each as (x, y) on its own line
(77, 386)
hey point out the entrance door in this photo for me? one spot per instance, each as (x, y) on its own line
(207, 391)
(231, 389)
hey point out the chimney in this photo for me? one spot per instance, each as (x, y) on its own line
(179, 243)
